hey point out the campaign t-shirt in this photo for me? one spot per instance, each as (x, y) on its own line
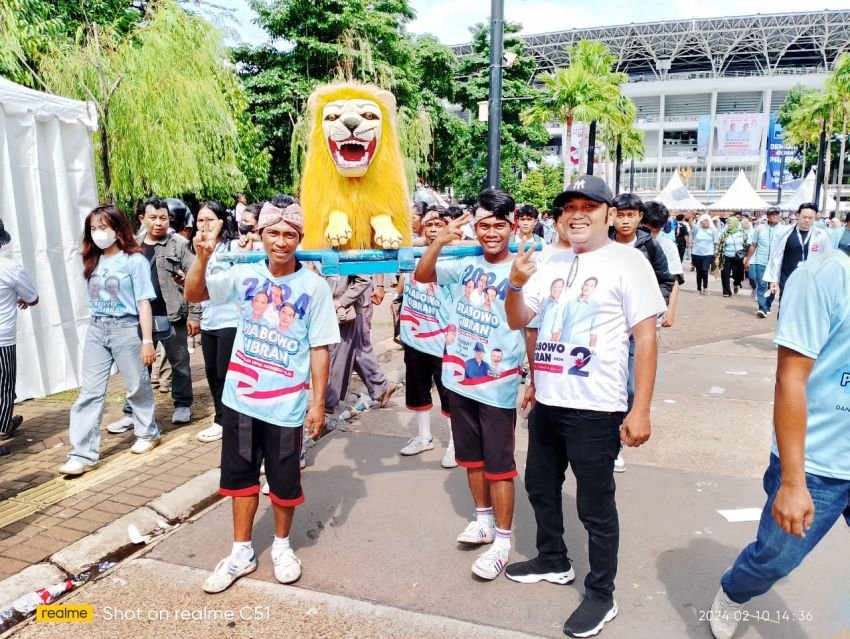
(815, 322)
(117, 283)
(269, 371)
(483, 355)
(704, 241)
(674, 262)
(764, 236)
(218, 316)
(587, 304)
(423, 320)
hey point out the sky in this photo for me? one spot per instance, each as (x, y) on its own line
(450, 20)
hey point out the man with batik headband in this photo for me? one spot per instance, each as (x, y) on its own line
(483, 406)
(265, 391)
(422, 330)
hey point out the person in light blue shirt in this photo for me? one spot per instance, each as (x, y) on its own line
(808, 478)
(218, 321)
(758, 257)
(705, 238)
(265, 392)
(580, 317)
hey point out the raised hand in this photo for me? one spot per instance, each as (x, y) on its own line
(453, 231)
(206, 239)
(523, 266)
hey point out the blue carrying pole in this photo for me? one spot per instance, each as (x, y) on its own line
(367, 261)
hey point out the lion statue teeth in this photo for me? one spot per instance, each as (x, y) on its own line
(354, 192)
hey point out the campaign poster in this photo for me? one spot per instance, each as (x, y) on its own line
(775, 152)
(738, 133)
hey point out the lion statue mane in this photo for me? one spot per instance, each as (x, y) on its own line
(353, 191)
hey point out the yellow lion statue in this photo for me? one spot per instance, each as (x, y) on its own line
(353, 191)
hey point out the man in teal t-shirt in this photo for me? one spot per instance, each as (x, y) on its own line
(808, 478)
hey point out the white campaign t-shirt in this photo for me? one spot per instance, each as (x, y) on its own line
(588, 304)
(14, 285)
(671, 252)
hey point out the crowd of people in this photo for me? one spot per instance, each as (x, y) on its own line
(567, 327)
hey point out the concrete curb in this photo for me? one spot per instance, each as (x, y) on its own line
(28, 580)
(184, 501)
(105, 542)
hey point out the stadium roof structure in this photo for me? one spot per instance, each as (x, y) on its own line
(767, 44)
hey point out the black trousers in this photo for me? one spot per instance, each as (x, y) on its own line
(217, 346)
(588, 442)
(8, 371)
(703, 266)
(734, 267)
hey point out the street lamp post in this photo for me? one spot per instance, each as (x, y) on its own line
(494, 123)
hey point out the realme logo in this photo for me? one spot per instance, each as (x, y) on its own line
(80, 613)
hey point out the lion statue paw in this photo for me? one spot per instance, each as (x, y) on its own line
(338, 231)
(387, 236)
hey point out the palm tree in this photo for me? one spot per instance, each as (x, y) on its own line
(819, 108)
(839, 85)
(582, 92)
(620, 134)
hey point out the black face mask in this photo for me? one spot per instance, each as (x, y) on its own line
(244, 229)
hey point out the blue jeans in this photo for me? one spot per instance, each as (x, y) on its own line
(757, 274)
(110, 340)
(775, 553)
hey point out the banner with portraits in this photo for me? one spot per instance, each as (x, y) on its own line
(738, 133)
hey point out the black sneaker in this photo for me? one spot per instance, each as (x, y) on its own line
(14, 424)
(534, 570)
(587, 620)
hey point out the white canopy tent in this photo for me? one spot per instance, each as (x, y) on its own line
(741, 196)
(47, 186)
(805, 193)
(676, 197)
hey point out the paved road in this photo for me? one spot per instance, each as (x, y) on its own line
(376, 534)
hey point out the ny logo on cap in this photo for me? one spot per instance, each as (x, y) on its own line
(579, 184)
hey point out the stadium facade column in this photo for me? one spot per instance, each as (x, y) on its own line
(709, 158)
(661, 120)
(766, 98)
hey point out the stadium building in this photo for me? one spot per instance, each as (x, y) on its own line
(705, 89)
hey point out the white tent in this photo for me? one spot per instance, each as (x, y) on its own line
(805, 193)
(676, 196)
(47, 186)
(741, 196)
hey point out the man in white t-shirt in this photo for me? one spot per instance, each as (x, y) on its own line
(16, 291)
(580, 390)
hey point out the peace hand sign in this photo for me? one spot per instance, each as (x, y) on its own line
(524, 265)
(453, 231)
(207, 238)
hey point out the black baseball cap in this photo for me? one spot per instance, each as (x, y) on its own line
(5, 238)
(589, 186)
(773, 211)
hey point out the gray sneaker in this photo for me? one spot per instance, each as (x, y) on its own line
(182, 415)
(121, 426)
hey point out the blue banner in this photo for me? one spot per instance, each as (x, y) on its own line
(703, 133)
(775, 151)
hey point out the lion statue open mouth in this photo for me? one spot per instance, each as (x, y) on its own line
(354, 192)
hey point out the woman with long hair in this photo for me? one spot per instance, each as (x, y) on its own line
(219, 321)
(111, 254)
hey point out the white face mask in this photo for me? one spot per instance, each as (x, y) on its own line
(103, 239)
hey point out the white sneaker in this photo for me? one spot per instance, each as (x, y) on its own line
(724, 616)
(475, 533)
(416, 445)
(182, 415)
(490, 564)
(145, 445)
(74, 468)
(121, 426)
(211, 434)
(619, 464)
(287, 567)
(226, 572)
(265, 489)
(449, 460)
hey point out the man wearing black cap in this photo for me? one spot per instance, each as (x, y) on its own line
(16, 291)
(580, 416)
(758, 257)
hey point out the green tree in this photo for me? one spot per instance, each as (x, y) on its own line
(166, 106)
(518, 139)
(539, 186)
(582, 91)
(839, 85)
(795, 131)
